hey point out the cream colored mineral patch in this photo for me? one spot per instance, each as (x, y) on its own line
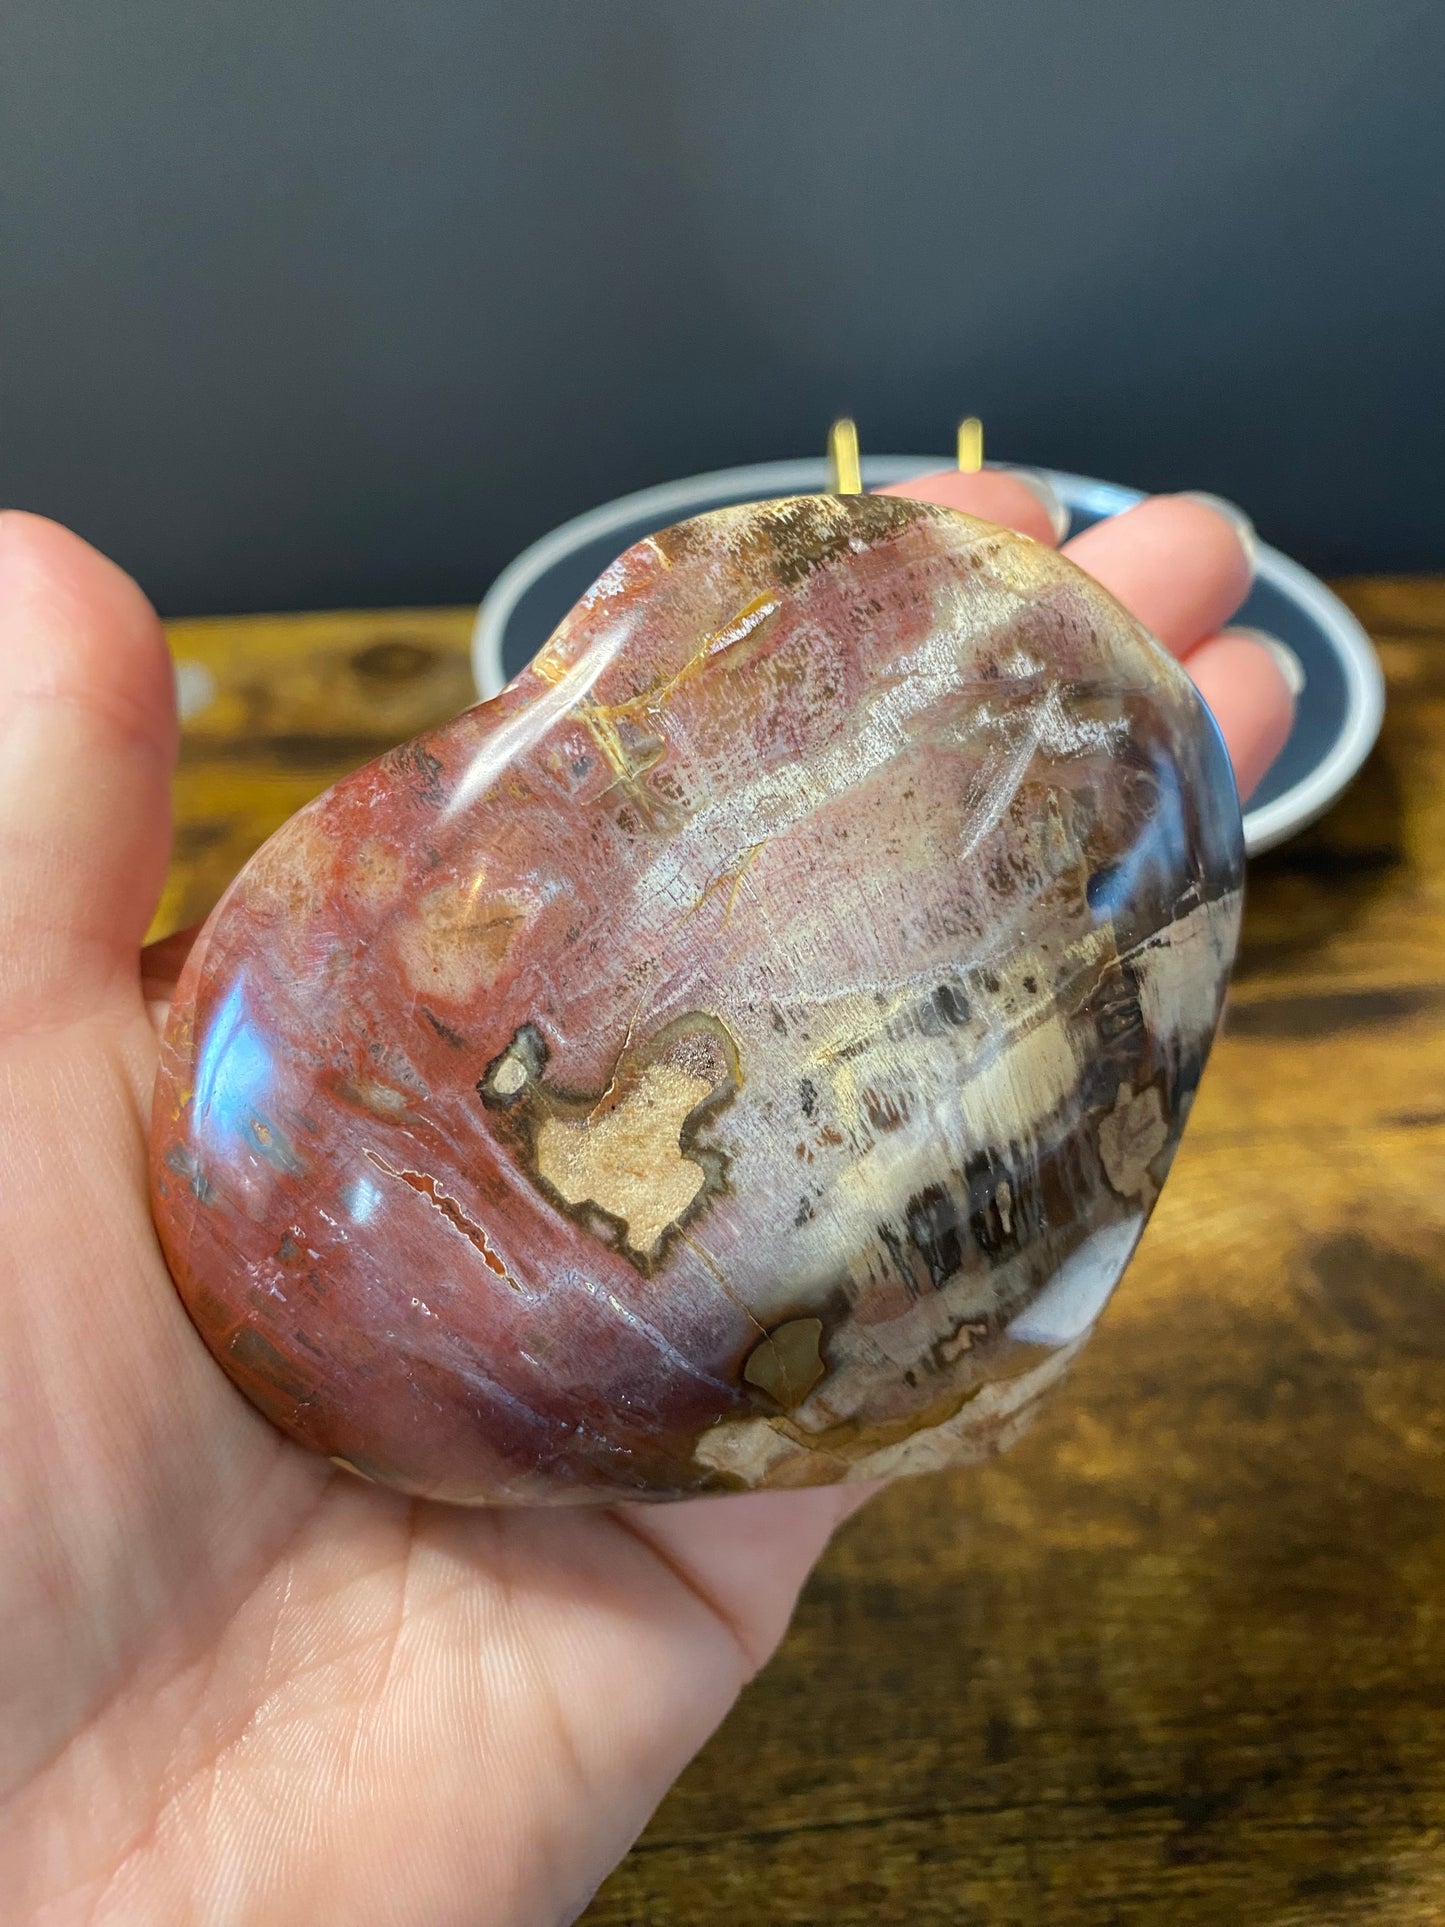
(1131, 1136)
(510, 1075)
(628, 1160)
(458, 939)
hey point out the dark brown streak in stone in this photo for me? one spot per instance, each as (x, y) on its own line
(444, 1031)
(428, 1188)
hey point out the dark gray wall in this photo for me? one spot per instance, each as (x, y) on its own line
(307, 302)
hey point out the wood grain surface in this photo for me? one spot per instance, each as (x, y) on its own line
(1180, 1657)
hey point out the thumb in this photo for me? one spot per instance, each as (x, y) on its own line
(87, 743)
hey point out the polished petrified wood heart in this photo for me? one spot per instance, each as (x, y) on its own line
(745, 1053)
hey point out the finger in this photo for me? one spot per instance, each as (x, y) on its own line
(87, 743)
(696, 1597)
(1248, 688)
(1182, 564)
(747, 1555)
(1014, 498)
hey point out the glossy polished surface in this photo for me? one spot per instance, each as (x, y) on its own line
(743, 1053)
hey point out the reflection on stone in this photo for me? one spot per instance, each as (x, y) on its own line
(744, 1053)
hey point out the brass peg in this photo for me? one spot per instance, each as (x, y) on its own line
(970, 445)
(846, 471)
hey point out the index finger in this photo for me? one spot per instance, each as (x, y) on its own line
(1014, 498)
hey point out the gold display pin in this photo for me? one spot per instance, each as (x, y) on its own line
(844, 465)
(970, 445)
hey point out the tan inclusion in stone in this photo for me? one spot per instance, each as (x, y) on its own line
(629, 1161)
(789, 1362)
(1131, 1136)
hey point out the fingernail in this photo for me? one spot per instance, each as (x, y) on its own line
(1290, 666)
(1236, 518)
(1045, 494)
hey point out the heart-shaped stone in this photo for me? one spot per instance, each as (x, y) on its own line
(745, 1053)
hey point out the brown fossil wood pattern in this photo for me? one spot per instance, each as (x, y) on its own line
(1180, 1658)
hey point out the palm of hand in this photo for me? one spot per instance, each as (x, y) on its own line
(237, 1684)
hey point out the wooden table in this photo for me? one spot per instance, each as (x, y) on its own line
(1181, 1657)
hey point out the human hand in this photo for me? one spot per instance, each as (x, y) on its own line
(235, 1684)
